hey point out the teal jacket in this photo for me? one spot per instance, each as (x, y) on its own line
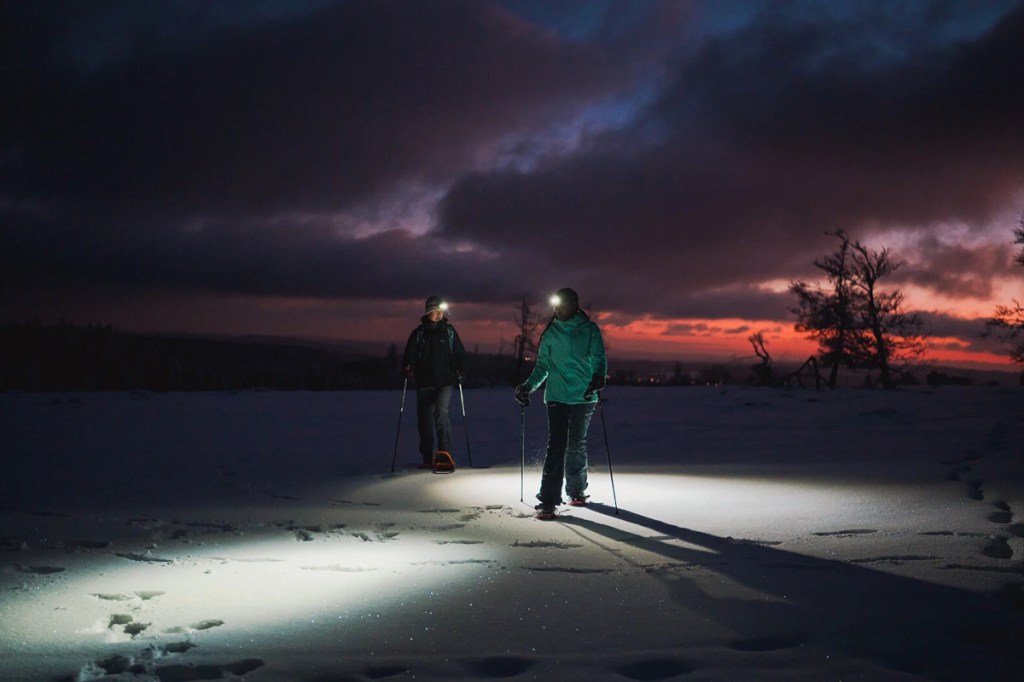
(570, 354)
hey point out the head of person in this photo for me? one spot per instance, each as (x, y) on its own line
(435, 308)
(565, 303)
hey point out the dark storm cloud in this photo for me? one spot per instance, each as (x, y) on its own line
(767, 138)
(656, 166)
(956, 270)
(967, 333)
(316, 112)
(120, 143)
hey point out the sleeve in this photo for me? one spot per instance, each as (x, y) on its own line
(598, 360)
(543, 366)
(458, 350)
(409, 356)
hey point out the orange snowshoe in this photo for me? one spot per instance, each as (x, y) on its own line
(443, 462)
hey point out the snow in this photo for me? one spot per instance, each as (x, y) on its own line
(759, 534)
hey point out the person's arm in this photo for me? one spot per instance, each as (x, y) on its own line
(598, 359)
(458, 356)
(409, 356)
(542, 367)
(598, 362)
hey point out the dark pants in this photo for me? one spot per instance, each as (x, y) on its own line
(567, 452)
(432, 417)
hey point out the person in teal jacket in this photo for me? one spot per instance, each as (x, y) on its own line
(571, 359)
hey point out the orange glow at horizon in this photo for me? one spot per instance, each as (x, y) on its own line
(703, 339)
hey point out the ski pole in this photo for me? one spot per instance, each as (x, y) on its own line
(465, 426)
(522, 439)
(604, 427)
(405, 384)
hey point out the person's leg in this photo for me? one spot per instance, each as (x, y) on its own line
(576, 450)
(425, 422)
(442, 422)
(554, 462)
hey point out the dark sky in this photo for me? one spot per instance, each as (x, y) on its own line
(318, 168)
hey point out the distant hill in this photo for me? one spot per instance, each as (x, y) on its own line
(38, 357)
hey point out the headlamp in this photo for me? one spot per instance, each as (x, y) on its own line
(556, 301)
(443, 306)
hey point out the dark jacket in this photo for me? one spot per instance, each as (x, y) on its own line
(435, 353)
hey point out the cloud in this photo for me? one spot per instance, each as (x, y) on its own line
(318, 112)
(968, 334)
(956, 270)
(668, 160)
(237, 124)
(767, 138)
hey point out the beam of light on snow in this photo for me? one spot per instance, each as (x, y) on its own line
(254, 585)
(423, 555)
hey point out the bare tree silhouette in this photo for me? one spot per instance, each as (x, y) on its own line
(856, 322)
(1008, 321)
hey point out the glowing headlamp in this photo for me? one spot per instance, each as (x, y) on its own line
(443, 306)
(556, 301)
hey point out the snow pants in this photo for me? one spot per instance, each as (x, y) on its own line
(567, 452)
(432, 418)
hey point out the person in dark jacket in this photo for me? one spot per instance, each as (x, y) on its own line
(571, 359)
(433, 358)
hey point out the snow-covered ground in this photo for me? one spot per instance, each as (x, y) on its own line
(760, 535)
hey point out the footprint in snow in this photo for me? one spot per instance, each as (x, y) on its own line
(1003, 514)
(385, 671)
(846, 533)
(997, 547)
(188, 673)
(500, 666)
(975, 490)
(144, 595)
(566, 569)
(89, 544)
(145, 558)
(770, 643)
(651, 669)
(896, 559)
(207, 624)
(127, 624)
(38, 570)
(540, 544)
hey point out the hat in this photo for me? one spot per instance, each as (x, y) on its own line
(433, 303)
(568, 297)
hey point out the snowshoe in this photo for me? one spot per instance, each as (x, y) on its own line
(546, 512)
(580, 501)
(443, 462)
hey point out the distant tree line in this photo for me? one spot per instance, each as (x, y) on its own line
(1008, 321)
(858, 325)
(64, 357)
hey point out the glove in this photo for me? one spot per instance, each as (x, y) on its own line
(407, 371)
(597, 383)
(459, 376)
(523, 394)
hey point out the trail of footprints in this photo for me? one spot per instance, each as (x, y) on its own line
(156, 661)
(1008, 524)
